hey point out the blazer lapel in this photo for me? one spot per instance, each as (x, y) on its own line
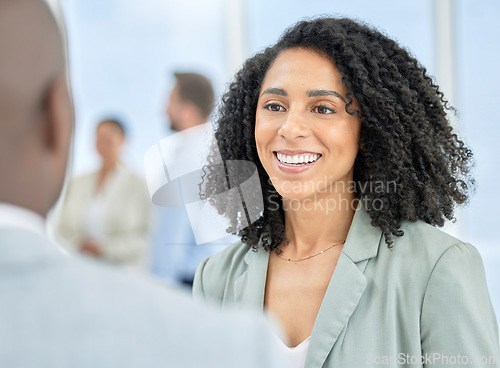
(346, 288)
(250, 286)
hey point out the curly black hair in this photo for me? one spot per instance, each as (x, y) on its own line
(406, 137)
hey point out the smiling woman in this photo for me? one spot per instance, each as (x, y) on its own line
(358, 163)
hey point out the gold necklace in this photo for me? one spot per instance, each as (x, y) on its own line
(309, 257)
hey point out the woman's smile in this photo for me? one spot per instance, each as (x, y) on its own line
(295, 161)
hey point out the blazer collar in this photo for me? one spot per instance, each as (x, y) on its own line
(363, 238)
(249, 288)
(345, 289)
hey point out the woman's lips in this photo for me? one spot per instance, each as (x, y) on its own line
(295, 162)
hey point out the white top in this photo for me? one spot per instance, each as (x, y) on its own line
(296, 356)
(94, 218)
(15, 216)
(96, 214)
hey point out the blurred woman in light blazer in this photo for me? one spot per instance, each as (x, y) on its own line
(106, 214)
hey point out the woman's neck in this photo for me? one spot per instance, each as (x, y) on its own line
(104, 172)
(108, 166)
(312, 225)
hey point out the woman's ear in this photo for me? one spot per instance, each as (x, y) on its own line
(361, 146)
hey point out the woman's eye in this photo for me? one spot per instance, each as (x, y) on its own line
(322, 109)
(274, 107)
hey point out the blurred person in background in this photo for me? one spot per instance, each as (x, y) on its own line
(59, 311)
(106, 214)
(176, 254)
(191, 101)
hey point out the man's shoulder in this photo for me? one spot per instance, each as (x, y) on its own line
(36, 261)
(87, 309)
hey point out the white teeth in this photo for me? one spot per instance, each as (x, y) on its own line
(297, 159)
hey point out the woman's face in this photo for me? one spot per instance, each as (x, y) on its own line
(305, 139)
(109, 142)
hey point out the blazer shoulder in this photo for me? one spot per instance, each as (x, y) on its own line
(216, 272)
(427, 239)
(132, 182)
(420, 250)
(133, 175)
(82, 182)
(85, 177)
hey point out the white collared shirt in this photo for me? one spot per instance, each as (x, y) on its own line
(23, 218)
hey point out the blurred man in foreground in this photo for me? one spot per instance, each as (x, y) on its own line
(61, 311)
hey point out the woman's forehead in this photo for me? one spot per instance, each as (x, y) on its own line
(303, 69)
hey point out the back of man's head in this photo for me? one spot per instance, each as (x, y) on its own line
(197, 89)
(36, 115)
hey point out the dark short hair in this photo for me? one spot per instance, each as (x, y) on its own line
(197, 89)
(118, 124)
(406, 137)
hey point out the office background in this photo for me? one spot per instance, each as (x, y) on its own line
(122, 54)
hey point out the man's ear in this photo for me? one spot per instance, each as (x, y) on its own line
(58, 116)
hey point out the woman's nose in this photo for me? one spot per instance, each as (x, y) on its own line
(294, 126)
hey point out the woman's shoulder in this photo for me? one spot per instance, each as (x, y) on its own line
(446, 277)
(128, 173)
(81, 183)
(135, 179)
(84, 177)
(425, 238)
(423, 249)
(217, 271)
(226, 262)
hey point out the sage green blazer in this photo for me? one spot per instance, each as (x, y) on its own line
(423, 303)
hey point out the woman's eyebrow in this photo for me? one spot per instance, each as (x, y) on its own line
(324, 92)
(275, 91)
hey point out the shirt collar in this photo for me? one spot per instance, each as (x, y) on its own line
(20, 217)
